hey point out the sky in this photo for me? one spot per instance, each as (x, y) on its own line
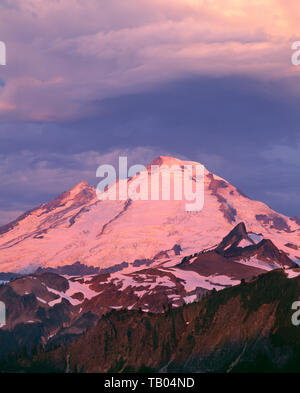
(206, 80)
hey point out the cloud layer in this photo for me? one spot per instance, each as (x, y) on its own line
(65, 55)
(88, 80)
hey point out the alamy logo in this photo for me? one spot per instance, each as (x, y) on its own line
(2, 314)
(2, 53)
(157, 182)
(296, 54)
(296, 315)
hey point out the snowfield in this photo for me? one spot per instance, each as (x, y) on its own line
(78, 227)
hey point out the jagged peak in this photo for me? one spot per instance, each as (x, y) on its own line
(265, 250)
(166, 160)
(238, 233)
(240, 229)
(80, 187)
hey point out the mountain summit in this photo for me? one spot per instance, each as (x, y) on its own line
(169, 161)
(77, 226)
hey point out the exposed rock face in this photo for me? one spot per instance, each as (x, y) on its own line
(233, 239)
(238, 256)
(214, 264)
(265, 250)
(6, 277)
(76, 269)
(296, 219)
(292, 246)
(228, 210)
(274, 221)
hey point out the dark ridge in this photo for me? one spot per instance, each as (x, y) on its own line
(161, 254)
(73, 219)
(177, 249)
(276, 222)
(79, 269)
(54, 280)
(244, 328)
(242, 193)
(141, 262)
(11, 225)
(265, 250)
(238, 233)
(115, 268)
(222, 258)
(228, 211)
(214, 263)
(9, 276)
(126, 206)
(292, 246)
(296, 220)
(216, 184)
(85, 195)
(76, 269)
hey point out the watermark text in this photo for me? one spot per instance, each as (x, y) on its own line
(2, 314)
(296, 315)
(2, 53)
(296, 53)
(156, 182)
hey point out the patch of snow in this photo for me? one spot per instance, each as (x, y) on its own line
(62, 295)
(255, 237)
(41, 300)
(291, 273)
(193, 280)
(190, 299)
(222, 280)
(254, 262)
(75, 286)
(245, 243)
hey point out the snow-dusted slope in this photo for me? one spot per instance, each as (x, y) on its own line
(78, 227)
(64, 304)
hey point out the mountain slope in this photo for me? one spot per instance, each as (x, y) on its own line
(77, 227)
(244, 328)
(54, 306)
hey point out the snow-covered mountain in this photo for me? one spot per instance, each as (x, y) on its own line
(78, 227)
